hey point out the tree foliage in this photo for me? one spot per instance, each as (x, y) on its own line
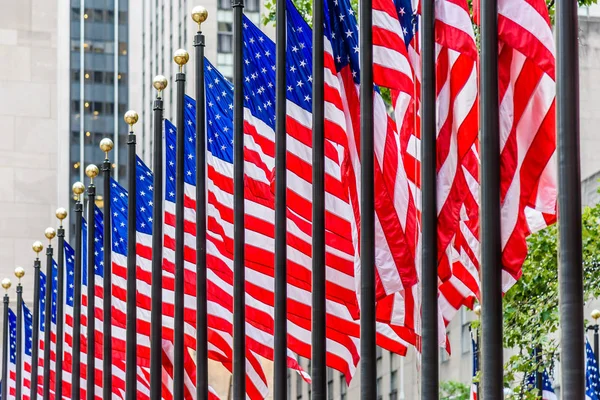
(531, 314)
(452, 390)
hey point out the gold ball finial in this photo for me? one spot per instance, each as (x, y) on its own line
(131, 118)
(160, 83)
(181, 57)
(61, 214)
(19, 273)
(37, 247)
(199, 15)
(477, 310)
(50, 233)
(78, 189)
(6, 283)
(595, 314)
(106, 145)
(92, 171)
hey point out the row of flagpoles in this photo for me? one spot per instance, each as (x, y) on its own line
(140, 249)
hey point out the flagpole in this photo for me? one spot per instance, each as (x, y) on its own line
(159, 83)
(19, 273)
(50, 233)
(106, 145)
(181, 58)
(61, 214)
(570, 270)
(368, 372)
(429, 273)
(37, 248)
(239, 236)
(131, 118)
(280, 351)
(492, 383)
(199, 15)
(5, 349)
(78, 190)
(319, 316)
(92, 172)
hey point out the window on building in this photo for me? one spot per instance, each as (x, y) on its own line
(224, 4)
(309, 386)
(252, 5)
(299, 386)
(289, 385)
(465, 334)
(122, 17)
(329, 384)
(378, 387)
(343, 387)
(394, 384)
(378, 352)
(225, 37)
(75, 14)
(444, 356)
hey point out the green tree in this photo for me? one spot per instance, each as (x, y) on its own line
(451, 390)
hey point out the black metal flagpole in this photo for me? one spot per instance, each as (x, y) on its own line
(368, 371)
(106, 145)
(50, 233)
(5, 349)
(429, 273)
(92, 172)
(61, 214)
(239, 237)
(280, 351)
(491, 253)
(319, 317)
(199, 15)
(181, 58)
(37, 248)
(131, 118)
(19, 273)
(160, 83)
(570, 270)
(78, 190)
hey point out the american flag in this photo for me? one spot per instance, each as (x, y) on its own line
(474, 385)
(592, 379)
(12, 360)
(42, 327)
(547, 389)
(27, 346)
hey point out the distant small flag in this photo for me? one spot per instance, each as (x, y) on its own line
(591, 374)
(474, 386)
(547, 389)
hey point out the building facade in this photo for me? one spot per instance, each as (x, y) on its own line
(29, 140)
(98, 74)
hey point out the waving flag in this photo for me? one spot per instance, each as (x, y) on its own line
(547, 389)
(592, 379)
(12, 357)
(27, 346)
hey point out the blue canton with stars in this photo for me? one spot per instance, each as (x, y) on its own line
(591, 374)
(408, 20)
(259, 73)
(341, 29)
(28, 330)
(43, 295)
(69, 274)
(12, 328)
(546, 383)
(144, 183)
